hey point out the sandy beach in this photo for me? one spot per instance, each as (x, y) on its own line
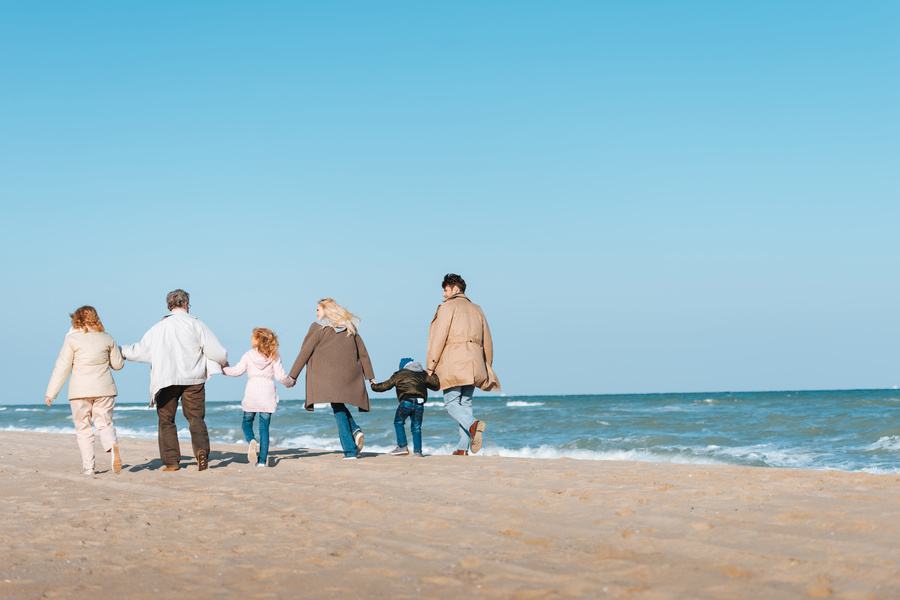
(314, 526)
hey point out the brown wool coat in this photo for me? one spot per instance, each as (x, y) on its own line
(460, 349)
(337, 367)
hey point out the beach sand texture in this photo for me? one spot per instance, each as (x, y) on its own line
(315, 526)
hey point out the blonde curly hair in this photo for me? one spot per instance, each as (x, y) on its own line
(86, 318)
(339, 315)
(268, 342)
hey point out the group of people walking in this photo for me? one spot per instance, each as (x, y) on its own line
(184, 353)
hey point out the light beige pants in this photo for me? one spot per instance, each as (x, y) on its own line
(100, 411)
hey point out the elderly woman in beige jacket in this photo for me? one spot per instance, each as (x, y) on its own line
(87, 353)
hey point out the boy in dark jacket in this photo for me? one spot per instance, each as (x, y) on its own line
(412, 385)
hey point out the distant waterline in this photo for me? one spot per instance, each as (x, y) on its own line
(840, 430)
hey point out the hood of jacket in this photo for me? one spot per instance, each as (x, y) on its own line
(326, 322)
(258, 360)
(415, 367)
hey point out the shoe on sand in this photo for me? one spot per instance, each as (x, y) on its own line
(349, 458)
(400, 451)
(87, 472)
(116, 459)
(358, 437)
(171, 468)
(261, 465)
(418, 454)
(252, 452)
(202, 461)
(460, 453)
(475, 431)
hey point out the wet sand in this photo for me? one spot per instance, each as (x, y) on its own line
(314, 526)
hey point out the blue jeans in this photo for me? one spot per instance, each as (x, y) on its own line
(346, 428)
(406, 409)
(458, 404)
(247, 426)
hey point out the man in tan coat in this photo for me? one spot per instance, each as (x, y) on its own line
(460, 351)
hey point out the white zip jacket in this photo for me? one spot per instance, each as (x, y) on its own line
(177, 348)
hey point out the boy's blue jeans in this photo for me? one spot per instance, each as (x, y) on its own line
(406, 409)
(247, 426)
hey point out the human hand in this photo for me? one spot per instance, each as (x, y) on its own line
(430, 372)
(49, 401)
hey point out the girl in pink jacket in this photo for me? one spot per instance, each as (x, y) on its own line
(262, 364)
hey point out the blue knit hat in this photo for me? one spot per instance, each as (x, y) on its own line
(404, 362)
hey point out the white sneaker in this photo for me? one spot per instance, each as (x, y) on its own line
(358, 437)
(349, 458)
(261, 465)
(252, 452)
(400, 451)
(87, 472)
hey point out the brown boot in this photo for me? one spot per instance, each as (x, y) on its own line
(171, 468)
(460, 453)
(202, 461)
(475, 431)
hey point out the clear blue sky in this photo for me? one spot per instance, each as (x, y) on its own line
(643, 197)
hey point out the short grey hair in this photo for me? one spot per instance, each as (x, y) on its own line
(178, 299)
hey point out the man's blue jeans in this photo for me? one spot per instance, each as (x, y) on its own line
(346, 428)
(458, 404)
(247, 426)
(406, 409)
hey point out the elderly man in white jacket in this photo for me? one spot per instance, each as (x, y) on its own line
(182, 352)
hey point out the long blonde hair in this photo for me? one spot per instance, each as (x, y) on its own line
(268, 342)
(86, 318)
(339, 315)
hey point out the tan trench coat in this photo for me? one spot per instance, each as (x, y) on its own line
(337, 367)
(460, 349)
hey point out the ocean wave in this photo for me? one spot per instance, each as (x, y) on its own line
(521, 403)
(885, 443)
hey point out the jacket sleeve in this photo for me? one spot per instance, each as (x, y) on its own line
(116, 360)
(432, 382)
(139, 352)
(385, 385)
(487, 342)
(62, 369)
(285, 379)
(210, 345)
(238, 369)
(437, 336)
(364, 358)
(306, 349)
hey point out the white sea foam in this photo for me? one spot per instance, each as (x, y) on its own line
(886, 443)
(522, 403)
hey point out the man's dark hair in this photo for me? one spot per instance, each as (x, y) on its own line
(452, 279)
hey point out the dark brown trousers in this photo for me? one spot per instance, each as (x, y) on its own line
(193, 407)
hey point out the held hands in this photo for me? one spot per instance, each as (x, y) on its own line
(49, 401)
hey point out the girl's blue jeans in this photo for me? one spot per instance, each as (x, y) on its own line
(247, 426)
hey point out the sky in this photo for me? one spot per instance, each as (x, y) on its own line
(643, 197)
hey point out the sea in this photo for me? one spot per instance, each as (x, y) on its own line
(855, 430)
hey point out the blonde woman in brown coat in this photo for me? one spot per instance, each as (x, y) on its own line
(337, 365)
(88, 352)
